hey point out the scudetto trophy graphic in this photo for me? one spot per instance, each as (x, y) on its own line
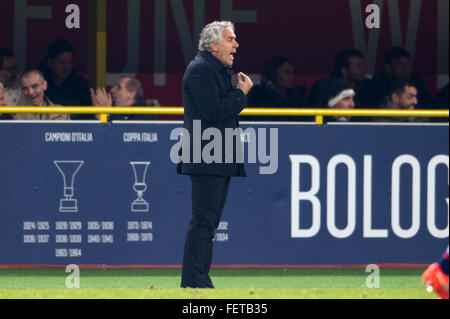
(139, 186)
(68, 170)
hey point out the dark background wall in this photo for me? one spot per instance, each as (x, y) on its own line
(155, 39)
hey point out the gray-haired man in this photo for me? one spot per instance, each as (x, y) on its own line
(33, 86)
(126, 92)
(211, 101)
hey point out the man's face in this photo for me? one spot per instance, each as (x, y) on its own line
(407, 100)
(120, 94)
(356, 69)
(33, 88)
(400, 67)
(284, 76)
(61, 65)
(2, 99)
(225, 50)
(346, 103)
(8, 71)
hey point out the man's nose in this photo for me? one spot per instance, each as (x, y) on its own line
(236, 45)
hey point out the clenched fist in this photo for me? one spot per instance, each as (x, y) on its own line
(244, 83)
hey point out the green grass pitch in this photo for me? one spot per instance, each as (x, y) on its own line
(240, 283)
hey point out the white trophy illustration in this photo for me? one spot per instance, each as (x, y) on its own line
(139, 186)
(68, 170)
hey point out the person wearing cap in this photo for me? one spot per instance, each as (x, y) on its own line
(339, 94)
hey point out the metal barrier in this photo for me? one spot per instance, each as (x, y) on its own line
(318, 113)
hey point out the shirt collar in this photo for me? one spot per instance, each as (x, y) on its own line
(216, 64)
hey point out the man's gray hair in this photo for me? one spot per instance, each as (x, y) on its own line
(212, 33)
(134, 85)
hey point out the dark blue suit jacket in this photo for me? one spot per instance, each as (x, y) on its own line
(208, 96)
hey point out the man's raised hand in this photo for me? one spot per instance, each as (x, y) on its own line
(244, 83)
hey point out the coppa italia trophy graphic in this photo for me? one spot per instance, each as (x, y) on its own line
(68, 170)
(139, 186)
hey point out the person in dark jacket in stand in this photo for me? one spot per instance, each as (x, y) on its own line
(397, 65)
(210, 103)
(65, 86)
(442, 103)
(277, 90)
(349, 66)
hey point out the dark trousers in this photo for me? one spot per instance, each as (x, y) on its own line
(208, 199)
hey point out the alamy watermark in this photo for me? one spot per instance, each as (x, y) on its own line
(373, 20)
(73, 280)
(235, 139)
(373, 279)
(73, 19)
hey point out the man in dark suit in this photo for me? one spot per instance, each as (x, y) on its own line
(210, 102)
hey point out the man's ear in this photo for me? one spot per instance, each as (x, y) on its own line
(133, 96)
(395, 98)
(213, 47)
(44, 85)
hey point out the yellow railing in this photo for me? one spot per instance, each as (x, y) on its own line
(317, 113)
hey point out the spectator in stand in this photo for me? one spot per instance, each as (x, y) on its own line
(442, 102)
(340, 94)
(3, 103)
(34, 87)
(397, 64)
(402, 96)
(349, 65)
(277, 90)
(127, 92)
(65, 86)
(442, 99)
(8, 77)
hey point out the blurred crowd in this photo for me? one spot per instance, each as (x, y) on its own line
(56, 82)
(348, 87)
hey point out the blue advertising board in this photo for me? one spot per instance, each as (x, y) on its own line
(109, 194)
